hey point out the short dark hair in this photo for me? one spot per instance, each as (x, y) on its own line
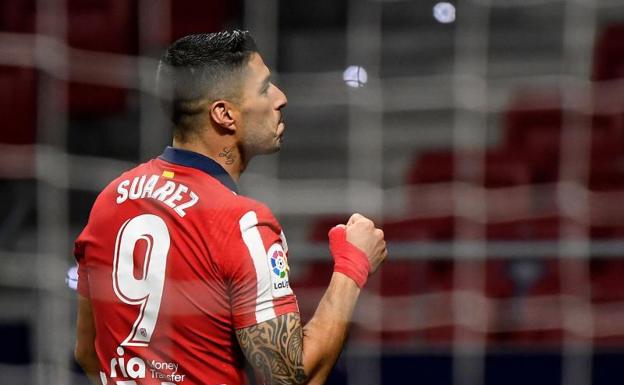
(198, 69)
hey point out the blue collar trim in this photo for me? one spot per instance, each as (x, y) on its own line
(200, 162)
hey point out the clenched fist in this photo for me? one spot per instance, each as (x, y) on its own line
(362, 233)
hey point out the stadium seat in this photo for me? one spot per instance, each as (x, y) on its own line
(430, 188)
(98, 25)
(534, 123)
(528, 313)
(18, 105)
(95, 25)
(18, 16)
(498, 282)
(190, 17)
(607, 294)
(313, 274)
(438, 309)
(402, 278)
(399, 283)
(103, 26)
(18, 113)
(535, 228)
(197, 16)
(419, 229)
(321, 226)
(609, 54)
(606, 275)
(609, 231)
(309, 280)
(502, 169)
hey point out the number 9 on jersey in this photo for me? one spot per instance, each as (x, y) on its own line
(148, 289)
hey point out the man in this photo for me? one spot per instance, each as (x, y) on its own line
(180, 277)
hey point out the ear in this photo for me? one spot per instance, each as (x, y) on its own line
(222, 113)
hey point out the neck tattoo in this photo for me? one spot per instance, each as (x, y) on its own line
(228, 154)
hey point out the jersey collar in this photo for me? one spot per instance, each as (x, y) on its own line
(193, 159)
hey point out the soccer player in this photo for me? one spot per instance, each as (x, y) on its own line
(180, 277)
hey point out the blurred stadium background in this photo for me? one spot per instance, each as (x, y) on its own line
(487, 138)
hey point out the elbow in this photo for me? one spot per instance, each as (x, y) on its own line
(80, 356)
(301, 378)
(85, 357)
(304, 380)
(296, 377)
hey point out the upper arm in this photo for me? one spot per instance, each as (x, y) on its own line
(275, 349)
(85, 324)
(255, 269)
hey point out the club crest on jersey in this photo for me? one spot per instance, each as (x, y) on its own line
(280, 285)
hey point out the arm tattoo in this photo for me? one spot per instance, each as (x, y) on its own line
(275, 348)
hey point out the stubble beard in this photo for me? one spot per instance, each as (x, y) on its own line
(260, 144)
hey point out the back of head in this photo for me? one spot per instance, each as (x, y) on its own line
(198, 69)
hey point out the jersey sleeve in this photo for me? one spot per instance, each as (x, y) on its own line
(256, 270)
(83, 276)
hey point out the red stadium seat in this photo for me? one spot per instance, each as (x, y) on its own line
(313, 274)
(95, 25)
(430, 189)
(529, 311)
(18, 105)
(399, 283)
(536, 228)
(607, 296)
(190, 17)
(309, 280)
(104, 26)
(197, 16)
(534, 125)
(545, 227)
(419, 229)
(498, 282)
(402, 278)
(609, 54)
(604, 232)
(18, 114)
(18, 15)
(606, 275)
(502, 169)
(321, 226)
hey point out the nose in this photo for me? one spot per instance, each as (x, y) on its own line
(282, 100)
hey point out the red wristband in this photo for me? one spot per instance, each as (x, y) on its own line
(348, 259)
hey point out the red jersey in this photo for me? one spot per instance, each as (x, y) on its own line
(173, 261)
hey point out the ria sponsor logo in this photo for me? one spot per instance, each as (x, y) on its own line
(137, 368)
(133, 368)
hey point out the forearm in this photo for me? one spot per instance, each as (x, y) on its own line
(325, 334)
(287, 353)
(91, 367)
(84, 351)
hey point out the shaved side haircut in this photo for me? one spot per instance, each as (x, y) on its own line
(197, 70)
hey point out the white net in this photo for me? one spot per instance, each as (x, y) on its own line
(486, 136)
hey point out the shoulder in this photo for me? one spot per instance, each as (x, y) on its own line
(111, 188)
(104, 207)
(251, 210)
(242, 217)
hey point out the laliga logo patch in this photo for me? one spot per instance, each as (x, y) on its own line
(280, 285)
(278, 263)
